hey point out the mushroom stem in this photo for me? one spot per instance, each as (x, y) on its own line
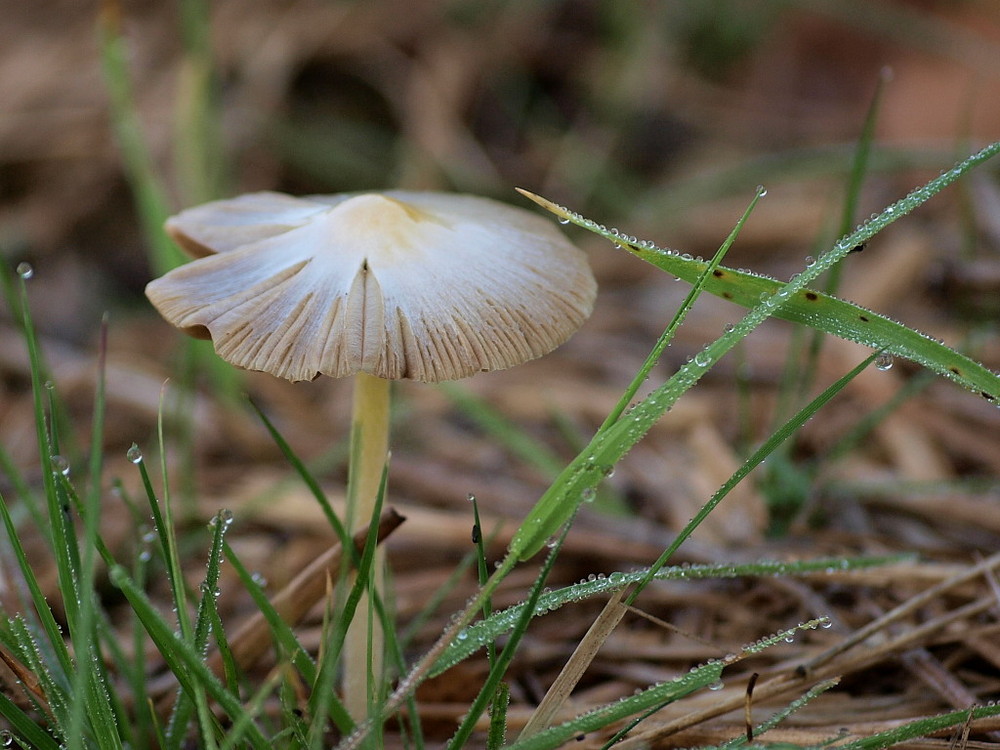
(363, 645)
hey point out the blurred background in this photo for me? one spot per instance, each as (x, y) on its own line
(659, 117)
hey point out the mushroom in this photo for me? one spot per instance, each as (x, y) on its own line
(381, 286)
(427, 286)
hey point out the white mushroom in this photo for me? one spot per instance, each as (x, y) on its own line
(428, 286)
(420, 285)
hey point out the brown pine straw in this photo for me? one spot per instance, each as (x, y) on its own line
(835, 661)
(14, 672)
(577, 664)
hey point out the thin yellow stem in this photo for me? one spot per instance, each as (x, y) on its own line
(363, 646)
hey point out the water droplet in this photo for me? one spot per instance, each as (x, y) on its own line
(134, 454)
(25, 271)
(207, 590)
(810, 261)
(6, 738)
(60, 464)
(588, 494)
(728, 327)
(608, 471)
(718, 685)
(224, 517)
(563, 220)
(883, 361)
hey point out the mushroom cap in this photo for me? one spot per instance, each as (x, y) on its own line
(420, 285)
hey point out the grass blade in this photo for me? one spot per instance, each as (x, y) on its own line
(756, 458)
(498, 718)
(621, 431)
(480, 633)
(765, 297)
(198, 143)
(23, 725)
(280, 630)
(657, 696)
(921, 728)
(307, 478)
(54, 531)
(323, 702)
(800, 304)
(150, 195)
(181, 658)
(488, 690)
